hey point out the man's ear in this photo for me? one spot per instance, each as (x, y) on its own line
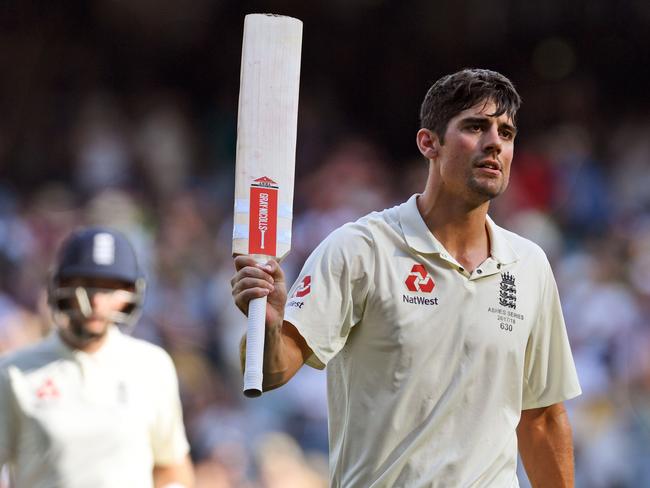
(428, 143)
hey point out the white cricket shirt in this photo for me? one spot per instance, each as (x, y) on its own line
(428, 366)
(75, 420)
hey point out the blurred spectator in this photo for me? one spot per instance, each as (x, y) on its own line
(100, 146)
(352, 180)
(283, 465)
(165, 146)
(582, 201)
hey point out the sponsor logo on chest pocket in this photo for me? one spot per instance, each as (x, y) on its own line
(421, 282)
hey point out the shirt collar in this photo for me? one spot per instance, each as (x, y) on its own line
(417, 234)
(501, 249)
(421, 239)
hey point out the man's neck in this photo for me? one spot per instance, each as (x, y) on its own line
(460, 228)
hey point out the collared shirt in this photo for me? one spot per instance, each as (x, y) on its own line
(428, 365)
(74, 420)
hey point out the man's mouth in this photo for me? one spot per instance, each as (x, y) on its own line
(490, 165)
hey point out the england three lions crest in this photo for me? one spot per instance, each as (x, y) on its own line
(508, 291)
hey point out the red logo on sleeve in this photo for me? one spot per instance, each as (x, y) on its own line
(47, 390)
(304, 288)
(419, 280)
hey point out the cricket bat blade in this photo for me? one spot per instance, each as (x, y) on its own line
(265, 163)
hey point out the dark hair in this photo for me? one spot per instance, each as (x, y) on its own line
(459, 91)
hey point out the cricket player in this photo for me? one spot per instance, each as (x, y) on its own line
(89, 406)
(442, 333)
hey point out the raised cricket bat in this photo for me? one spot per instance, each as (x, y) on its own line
(266, 155)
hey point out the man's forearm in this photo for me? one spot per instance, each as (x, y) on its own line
(546, 447)
(276, 362)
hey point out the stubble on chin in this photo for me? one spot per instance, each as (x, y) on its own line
(81, 334)
(487, 189)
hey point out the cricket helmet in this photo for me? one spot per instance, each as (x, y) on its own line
(95, 252)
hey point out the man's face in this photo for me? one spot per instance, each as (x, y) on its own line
(477, 152)
(93, 303)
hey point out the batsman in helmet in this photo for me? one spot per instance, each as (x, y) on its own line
(90, 406)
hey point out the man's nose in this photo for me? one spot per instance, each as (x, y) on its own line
(100, 299)
(492, 140)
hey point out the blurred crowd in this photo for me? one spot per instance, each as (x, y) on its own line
(152, 162)
(588, 208)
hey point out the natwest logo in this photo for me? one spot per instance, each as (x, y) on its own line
(419, 280)
(47, 390)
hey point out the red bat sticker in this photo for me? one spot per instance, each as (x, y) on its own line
(263, 224)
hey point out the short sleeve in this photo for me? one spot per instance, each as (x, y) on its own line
(329, 296)
(169, 442)
(549, 371)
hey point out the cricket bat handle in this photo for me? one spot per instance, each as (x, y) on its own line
(255, 347)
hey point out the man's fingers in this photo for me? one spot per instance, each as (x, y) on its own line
(243, 261)
(251, 272)
(248, 283)
(256, 280)
(243, 297)
(273, 268)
